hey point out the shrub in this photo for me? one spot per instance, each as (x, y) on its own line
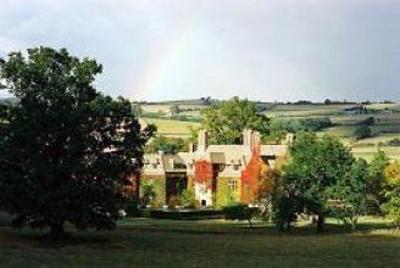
(188, 199)
(394, 142)
(148, 193)
(173, 202)
(240, 212)
(391, 207)
(279, 125)
(368, 121)
(132, 209)
(183, 215)
(362, 132)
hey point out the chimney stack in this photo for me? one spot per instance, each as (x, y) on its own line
(202, 142)
(252, 139)
(247, 136)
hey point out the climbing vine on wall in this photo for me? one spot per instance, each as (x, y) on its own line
(251, 178)
(203, 173)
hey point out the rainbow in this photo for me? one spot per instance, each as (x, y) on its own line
(163, 57)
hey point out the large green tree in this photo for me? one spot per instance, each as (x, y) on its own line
(226, 120)
(376, 178)
(65, 149)
(351, 193)
(316, 164)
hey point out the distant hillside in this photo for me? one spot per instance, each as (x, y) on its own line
(210, 100)
(193, 102)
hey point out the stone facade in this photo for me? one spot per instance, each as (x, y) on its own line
(217, 174)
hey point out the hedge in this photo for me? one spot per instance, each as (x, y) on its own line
(184, 215)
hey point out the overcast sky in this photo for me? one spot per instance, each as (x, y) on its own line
(266, 50)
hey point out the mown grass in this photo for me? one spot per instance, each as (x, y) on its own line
(211, 243)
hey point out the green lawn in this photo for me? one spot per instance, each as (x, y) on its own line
(213, 243)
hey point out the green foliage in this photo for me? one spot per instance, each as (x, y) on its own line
(368, 121)
(279, 127)
(132, 208)
(166, 145)
(137, 110)
(362, 132)
(65, 148)
(315, 167)
(391, 207)
(226, 121)
(394, 142)
(240, 212)
(148, 192)
(284, 208)
(351, 193)
(175, 109)
(188, 199)
(376, 178)
(295, 125)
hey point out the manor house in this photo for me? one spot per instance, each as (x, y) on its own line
(217, 174)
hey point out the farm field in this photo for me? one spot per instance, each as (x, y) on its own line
(385, 128)
(207, 243)
(172, 128)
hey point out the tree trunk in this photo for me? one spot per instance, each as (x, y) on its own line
(288, 223)
(320, 223)
(281, 227)
(250, 223)
(57, 231)
(353, 224)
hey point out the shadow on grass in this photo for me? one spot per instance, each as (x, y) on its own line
(132, 231)
(260, 228)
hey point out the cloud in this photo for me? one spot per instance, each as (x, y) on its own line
(268, 50)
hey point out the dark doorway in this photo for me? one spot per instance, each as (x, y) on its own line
(175, 184)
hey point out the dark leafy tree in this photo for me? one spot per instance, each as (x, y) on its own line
(362, 132)
(66, 151)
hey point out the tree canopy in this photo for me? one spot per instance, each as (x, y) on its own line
(392, 192)
(226, 121)
(315, 166)
(66, 150)
(166, 145)
(376, 178)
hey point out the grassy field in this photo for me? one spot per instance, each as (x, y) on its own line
(209, 243)
(172, 128)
